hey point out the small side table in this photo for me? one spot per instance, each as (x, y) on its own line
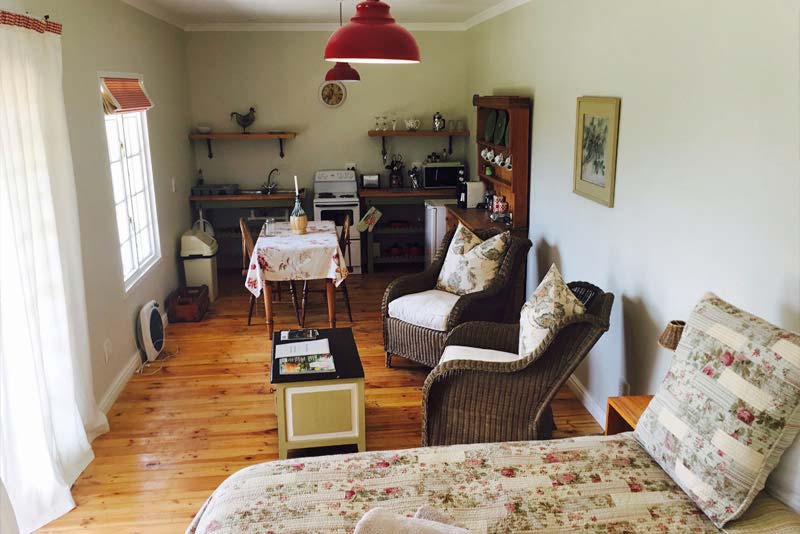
(622, 413)
(321, 409)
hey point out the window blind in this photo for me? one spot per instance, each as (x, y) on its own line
(123, 95)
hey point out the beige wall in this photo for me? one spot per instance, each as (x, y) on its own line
(708, 180)
(103, 35)
(279, 73)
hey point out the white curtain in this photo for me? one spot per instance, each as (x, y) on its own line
(48, 414)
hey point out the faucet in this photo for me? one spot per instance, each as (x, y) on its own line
(270, 187)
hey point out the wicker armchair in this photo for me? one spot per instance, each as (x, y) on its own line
(424, 345)
(471, 401)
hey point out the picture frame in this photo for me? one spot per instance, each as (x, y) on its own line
(596, 135)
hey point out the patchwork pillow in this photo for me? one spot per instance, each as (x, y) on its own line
(549, 306)
(727, 409)
(471, 263)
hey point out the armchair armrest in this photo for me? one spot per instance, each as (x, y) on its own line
(485, 335)
(482, 304)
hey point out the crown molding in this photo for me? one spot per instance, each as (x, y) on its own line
(310, 27)
(158, 12)
(492, 12)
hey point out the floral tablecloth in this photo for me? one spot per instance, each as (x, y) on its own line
(284, 255)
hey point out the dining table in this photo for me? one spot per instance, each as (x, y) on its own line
(281, 255)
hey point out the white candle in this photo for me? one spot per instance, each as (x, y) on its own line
(296, 191)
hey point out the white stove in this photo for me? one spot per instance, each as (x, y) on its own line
(336, 196)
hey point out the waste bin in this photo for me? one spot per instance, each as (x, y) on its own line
(199, 255)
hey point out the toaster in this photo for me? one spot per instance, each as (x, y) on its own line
(371, 181)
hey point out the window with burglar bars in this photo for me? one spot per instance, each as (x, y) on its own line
(134, 202)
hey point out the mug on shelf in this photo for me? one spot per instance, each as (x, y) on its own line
(412, 125)
(498, 159)
(498, 202)
(508, 162)
(490, 156)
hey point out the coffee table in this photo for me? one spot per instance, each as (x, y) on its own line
(321, 409)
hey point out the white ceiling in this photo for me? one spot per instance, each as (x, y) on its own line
(317, 14)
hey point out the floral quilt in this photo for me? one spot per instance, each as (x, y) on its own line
(284, 255)
(591, 484)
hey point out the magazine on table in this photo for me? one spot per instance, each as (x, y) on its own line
(305, 357)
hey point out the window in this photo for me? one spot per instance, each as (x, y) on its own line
(134, 203)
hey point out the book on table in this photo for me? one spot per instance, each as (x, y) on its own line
(305, 357)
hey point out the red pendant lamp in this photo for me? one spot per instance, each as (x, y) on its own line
(342, 72)
(372, 36)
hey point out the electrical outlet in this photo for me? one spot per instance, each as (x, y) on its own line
(173, 184)
(107, 349)
(350, 165)
(624, 388)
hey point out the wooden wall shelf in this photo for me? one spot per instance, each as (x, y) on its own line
(383, 134)
(238, 136)
(418, 133)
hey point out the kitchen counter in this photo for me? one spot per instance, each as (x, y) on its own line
(275, 200)
(246, 197)
(447, 192)
(478, 219)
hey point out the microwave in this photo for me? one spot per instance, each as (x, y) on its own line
(444, 174)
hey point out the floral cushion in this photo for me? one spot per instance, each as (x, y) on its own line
(551, 304)
(727, 409)
(471, 263)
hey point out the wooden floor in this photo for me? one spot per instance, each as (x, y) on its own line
(208, 412)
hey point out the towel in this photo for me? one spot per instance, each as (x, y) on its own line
(382, 521)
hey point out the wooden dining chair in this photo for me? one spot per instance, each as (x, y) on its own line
(344, 248)
(248, 246)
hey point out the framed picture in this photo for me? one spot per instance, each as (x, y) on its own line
(596, 131)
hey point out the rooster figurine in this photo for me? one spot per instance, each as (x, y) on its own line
(245, 120)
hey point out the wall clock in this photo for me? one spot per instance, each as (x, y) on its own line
(332, 94)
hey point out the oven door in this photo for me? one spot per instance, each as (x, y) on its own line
(336, 213)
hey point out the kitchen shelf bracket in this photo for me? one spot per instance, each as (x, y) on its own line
(210, 152)
(280, 143)
(450, 144)
(383, 148)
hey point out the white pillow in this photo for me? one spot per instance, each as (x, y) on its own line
(784, 482)
(471, 263)
(550, 305)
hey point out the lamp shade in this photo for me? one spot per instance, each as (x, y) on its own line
(372, 36)
(342, 72)
(672, 335)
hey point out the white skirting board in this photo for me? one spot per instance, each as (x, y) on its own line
(125, 374)
(597, 410)
(120, 381)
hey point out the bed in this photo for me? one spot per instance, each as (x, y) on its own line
(595, 484)
(727, 410)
